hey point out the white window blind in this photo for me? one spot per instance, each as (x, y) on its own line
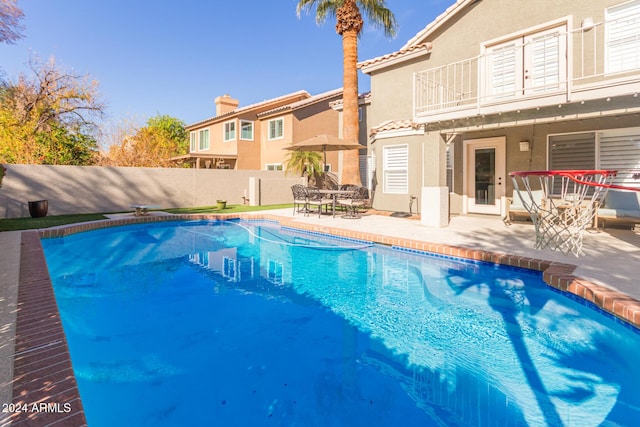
(623, 37)
(574, 151)
(193, 142)
(396, 169)
(620, 150)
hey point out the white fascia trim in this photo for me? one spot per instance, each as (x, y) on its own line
(397, 133)
(437, 23)
(396, 60)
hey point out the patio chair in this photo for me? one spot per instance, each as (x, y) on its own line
(315, 198)
(299, 198)
(357, 200)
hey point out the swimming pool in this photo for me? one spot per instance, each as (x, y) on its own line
(248, 323)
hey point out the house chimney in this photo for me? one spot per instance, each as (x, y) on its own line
(225, 103)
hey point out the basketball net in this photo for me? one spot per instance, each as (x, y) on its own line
(562, 204)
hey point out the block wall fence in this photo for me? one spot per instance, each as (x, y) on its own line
(93, 189)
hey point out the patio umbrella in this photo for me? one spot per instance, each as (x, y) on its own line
(323, 143)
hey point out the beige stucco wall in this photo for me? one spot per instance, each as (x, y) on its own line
(87, 189)
(426, 169)
(462, 37)
(536, 157)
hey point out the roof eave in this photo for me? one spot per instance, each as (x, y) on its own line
(440, 20)
(417, 53)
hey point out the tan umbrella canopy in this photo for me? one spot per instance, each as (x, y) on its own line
(323, 143)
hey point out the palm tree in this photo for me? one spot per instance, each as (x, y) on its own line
(304, 162)
(349, 25)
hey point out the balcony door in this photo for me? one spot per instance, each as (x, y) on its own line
(485, 175)
(527, 65)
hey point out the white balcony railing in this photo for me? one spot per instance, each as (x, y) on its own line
(542, 70)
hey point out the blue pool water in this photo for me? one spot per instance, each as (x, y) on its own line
(248, 324)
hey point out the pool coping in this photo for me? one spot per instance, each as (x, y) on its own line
(43, 374)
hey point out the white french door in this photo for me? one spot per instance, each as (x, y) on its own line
(527, 65)
(485, 172)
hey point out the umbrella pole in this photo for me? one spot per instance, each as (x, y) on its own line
(324, 165)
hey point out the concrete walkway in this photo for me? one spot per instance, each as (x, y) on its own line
(9, 274)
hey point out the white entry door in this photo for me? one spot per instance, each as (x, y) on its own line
(485, 175)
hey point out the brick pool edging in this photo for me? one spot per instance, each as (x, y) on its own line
(42, 365)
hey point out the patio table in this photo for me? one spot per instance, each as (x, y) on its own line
(334, 196)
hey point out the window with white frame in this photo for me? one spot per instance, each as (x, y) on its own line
(193, 141)
(276, 128)
(622, 35)
(614, 149)
(230, 131)
(273, 166)
(203, 139)
(395, 166)
(526, 65)
(371, 170)
(246, 130)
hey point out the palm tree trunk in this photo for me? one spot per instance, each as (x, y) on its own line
(350, 125)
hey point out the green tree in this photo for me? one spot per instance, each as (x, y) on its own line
(172, 130)
(349, 25)
(49, 111)
(60, 146)
(150, 146)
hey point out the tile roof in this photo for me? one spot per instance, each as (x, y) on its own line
(300, 93)
(440, 20)
(299, 104)
(363, 98)
(395, 55)
(395, 125)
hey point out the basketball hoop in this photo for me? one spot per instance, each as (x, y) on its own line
(562, 204)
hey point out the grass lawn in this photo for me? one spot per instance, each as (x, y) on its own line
(12, 224)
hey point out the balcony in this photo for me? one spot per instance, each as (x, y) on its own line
(597, 62)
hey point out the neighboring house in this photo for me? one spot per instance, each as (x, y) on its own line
(253, 137)
(493, 86)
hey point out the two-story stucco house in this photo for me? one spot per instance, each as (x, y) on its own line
(493, 86)
(253, 137)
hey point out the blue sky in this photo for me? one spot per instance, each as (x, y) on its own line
(168, 57)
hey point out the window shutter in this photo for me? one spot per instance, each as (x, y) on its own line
(503, 70)
(396, 169)
(546, 52)
(623, 37)
(193, 146)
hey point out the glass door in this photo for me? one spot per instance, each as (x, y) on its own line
(485, 175)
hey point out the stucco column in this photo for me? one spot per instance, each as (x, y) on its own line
(434, 200)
